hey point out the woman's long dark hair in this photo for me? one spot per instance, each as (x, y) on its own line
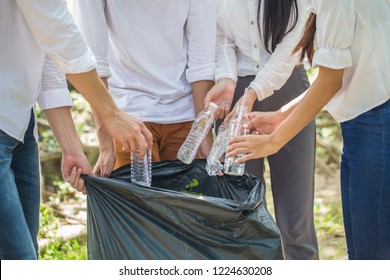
(279, 18)
(306, 44)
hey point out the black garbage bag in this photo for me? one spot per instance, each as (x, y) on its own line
(185, 215)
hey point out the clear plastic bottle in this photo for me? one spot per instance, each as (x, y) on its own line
(141, 168)
(218, 149)
(231, 167)
(199, 130)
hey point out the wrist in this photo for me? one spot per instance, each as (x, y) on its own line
(252, 95)
(250, 99)
(111, 112)
(73, 149)
(276, 139)
(107, 148)
(227, 82)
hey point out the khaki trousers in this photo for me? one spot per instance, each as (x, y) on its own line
(167, 140)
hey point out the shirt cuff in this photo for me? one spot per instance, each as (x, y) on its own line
(54, 98)
(225, 75)
(201, 73)
(333, 58)
(262, 91)
(83, 64)
(103, 67)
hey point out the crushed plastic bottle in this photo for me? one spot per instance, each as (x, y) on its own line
(218, 149)
(141, 168)
(199, 130)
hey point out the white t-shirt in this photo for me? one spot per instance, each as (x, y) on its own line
(31, 32)
(152, 51)
(355, 35)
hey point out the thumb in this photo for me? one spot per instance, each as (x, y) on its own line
(251, 116)
(209, 97)
(252, 124)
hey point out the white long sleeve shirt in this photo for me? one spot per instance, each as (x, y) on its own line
(240, 51)
(29, 32)
(354, 35)
(152, 51)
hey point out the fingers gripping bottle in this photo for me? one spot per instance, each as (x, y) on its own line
(199, 130)
(218, 149)
(236, 129)
(141, 167)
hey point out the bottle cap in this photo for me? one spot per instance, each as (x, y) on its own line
(213, 105)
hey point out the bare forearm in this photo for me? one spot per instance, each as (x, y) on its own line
(105, 139)
(199, 90)
(94, 91)
(127, 130)
(304, 108)
(289, 107)
(61, 123)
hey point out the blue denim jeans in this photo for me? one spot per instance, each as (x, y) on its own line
(19, 196)
(365, 184)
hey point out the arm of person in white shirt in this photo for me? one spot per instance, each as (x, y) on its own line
(276, 71)
(225, 74)
(74, 161)
(199, 90)
(279, 67)
(327, 84)
(335, 33)
(57, 34)
(55, 101)
(106, 161)
(200, 32)
(91, 19)
(127, 130)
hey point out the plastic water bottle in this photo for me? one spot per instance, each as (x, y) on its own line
(141, 168)
(218, 149)
(231, 167)
(199, 130)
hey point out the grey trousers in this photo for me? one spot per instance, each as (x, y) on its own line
(292, 173)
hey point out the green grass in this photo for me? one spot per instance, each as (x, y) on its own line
(73, 249)
(330, 230)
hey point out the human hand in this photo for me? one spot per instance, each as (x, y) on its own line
(264, 122)
(221, 94)
(253, 146)
(105, 163)
(72, 166)
(250, 100)
(130, 132)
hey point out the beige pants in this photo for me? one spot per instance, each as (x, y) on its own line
(167, 140)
